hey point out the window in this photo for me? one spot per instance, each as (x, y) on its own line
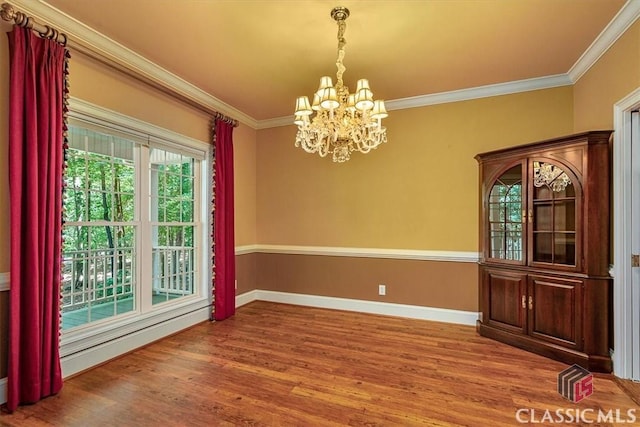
(172, 214)
(99, 250)
(134, 226)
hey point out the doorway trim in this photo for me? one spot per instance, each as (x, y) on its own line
(623, 305)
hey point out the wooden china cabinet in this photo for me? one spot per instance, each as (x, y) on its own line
(544, 242)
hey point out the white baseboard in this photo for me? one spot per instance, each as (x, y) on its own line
(5, 281)
(246, 298)
(363, 306)
(99, 354)
(3, 391)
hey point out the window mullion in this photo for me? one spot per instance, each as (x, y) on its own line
(145, 241)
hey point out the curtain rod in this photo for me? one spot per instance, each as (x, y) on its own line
(8, 13)
(220, 116)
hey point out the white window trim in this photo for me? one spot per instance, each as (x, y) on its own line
(88, 346)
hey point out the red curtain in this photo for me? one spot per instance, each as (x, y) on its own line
(224, 269)
(36, 157)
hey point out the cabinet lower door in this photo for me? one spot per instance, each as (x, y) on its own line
(504, 296)
(554, 310)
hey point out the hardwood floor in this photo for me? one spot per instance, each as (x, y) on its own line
(632, 388)
(274, 364)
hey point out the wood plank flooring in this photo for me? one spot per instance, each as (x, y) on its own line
(632, 388)
(275, 364)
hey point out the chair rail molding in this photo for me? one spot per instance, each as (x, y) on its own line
(412, 254)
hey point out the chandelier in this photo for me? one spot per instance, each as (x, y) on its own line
(339, 122)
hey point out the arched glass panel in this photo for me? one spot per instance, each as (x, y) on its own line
(554, 215)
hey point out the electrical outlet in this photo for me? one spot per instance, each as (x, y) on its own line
(382, 289)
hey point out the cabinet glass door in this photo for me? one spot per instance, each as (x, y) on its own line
(553, 215)
(506, 216)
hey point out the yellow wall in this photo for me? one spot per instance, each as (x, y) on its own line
(103, 86)
(244, 168)
(419, 191)
(615, 75)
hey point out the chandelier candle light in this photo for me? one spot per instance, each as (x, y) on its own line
(343, 121)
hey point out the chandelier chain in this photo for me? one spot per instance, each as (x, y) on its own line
(342, 26)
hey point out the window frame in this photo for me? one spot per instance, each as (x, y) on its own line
(147, 316)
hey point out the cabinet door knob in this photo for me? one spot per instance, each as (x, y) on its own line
(530, 302)
(524, 216)
(524, 301)
(530, 216)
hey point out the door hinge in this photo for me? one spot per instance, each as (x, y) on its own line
(635, 260)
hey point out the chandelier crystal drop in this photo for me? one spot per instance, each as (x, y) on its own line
(338, 122)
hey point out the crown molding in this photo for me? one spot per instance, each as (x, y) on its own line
(479, 92)
(275, 122)
(452, 96)
(612, 32)
(86, 40)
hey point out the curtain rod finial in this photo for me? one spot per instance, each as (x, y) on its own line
(7, 13)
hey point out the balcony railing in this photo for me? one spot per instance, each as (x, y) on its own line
(93, 277)
(173, 269)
